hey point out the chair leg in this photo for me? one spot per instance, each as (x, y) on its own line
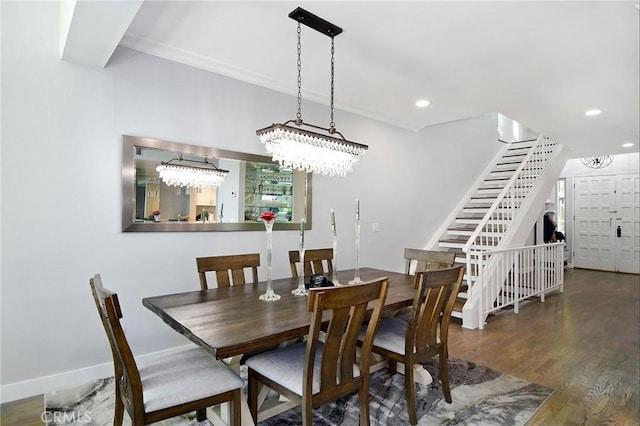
(444, 375)
(253, 396)
(201, 414)
(363, 397)
(392, 366)
(307, 411)
(236, 408)
(410, 390)
(119, 410)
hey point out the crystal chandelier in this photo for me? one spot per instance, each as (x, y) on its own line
(307, 150)
(178, 174)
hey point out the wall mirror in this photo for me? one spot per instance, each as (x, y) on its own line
(254, 184)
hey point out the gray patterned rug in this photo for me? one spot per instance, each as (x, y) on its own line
(480, 396)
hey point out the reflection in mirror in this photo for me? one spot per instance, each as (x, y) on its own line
(253, 185)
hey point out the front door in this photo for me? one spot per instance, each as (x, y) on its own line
(607, 223)
(627, 219)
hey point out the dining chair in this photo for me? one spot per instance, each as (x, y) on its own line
(427, 260)
(317, 372)
(179, 383)
(314, 261)
(425, 334)
(424, 260)
(229, 269)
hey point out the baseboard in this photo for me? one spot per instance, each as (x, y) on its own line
(42, 385)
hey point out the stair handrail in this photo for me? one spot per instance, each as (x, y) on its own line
(471, 241)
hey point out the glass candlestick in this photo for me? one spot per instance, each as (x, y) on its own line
(334, 276)
(301, 290)
(356, 279)
(269, 296)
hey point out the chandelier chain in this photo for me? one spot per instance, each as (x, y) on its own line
(299, 114)
(332, 124)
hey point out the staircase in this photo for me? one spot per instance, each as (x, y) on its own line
(501, 210)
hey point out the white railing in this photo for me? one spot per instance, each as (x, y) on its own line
(503, 211)
(507, 277)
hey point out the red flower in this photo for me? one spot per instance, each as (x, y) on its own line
(267, 216)
(156, 212)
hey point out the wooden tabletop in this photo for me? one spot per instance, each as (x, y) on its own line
(233, 320)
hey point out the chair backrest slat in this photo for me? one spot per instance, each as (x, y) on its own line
(314, 261)
(229, 269)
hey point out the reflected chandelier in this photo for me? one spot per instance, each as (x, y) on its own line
(308, 150)
(178, 174)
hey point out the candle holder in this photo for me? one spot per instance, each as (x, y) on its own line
(269, 296)
(356, 279)
(301, 289)
(334, 275)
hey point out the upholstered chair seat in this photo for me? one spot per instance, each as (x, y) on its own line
(286, 366)
(189, 375)
(390, 335)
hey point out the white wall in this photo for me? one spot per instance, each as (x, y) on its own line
(62, 128)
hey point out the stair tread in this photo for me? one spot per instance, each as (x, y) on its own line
(470, 216)
(490, 197)
(478, 206)
(494, 228)
(458, 305)
(462, 228)
(463, 241)
(454, 240)
(483, 197)
(497, 185)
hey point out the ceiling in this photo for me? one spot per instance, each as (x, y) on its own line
(541, 63)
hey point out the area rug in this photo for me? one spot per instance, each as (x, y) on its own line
(480, 396)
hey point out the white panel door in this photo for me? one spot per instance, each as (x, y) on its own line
(594, 237)
(607, 223)
(628, 219)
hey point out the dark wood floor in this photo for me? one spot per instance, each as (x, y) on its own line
(583, 343)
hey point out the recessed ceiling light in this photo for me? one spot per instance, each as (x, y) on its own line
(627, 145)
(592, 112)
(422, 103)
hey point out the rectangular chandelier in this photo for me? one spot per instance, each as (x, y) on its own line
(178, 174)
(306, 150)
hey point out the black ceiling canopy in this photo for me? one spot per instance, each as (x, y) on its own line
(315, 22)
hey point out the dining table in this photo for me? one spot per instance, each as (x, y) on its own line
(231, 321)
